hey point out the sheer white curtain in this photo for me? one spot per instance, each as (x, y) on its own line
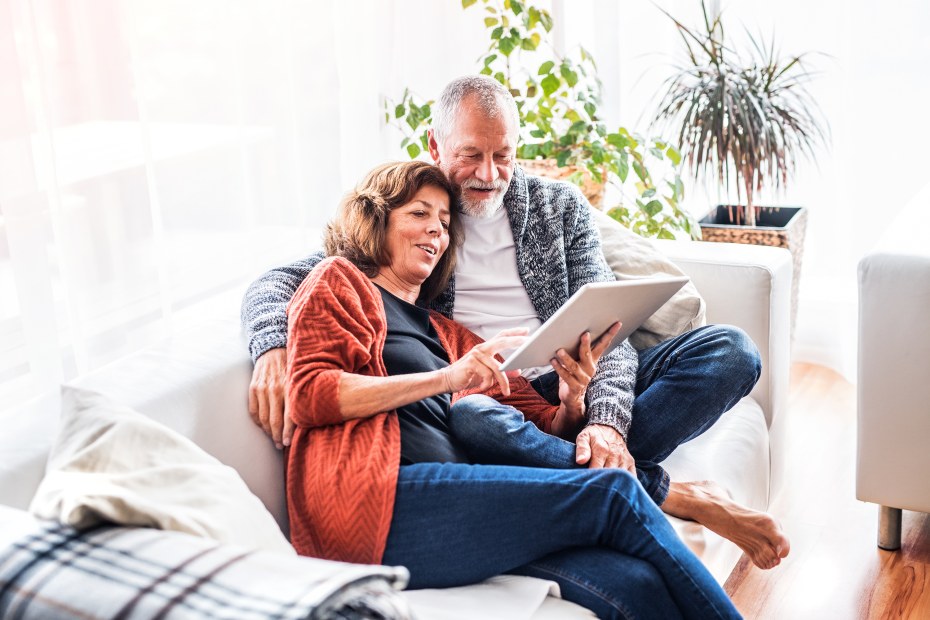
(157, 153)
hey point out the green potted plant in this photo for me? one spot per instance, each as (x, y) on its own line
(561, 132)
(745, 119)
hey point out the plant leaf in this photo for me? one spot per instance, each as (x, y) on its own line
(550, 84)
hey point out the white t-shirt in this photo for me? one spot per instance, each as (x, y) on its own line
(489, 295)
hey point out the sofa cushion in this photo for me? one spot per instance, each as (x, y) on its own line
(733, 453)
(112, 464)
(631, 256)
(196, 383)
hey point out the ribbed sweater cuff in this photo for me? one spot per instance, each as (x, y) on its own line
(262, 343)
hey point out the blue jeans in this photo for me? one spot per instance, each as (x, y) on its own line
(531, 510)
(683, 386)
(594, 531)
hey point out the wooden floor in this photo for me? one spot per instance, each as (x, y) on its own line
(834, 570)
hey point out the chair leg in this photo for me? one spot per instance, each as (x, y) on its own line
(889, 528)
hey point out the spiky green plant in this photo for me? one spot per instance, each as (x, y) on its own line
(747, 118)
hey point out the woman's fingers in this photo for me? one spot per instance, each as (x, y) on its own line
(491, 370)
(502, 342)
(513, 331)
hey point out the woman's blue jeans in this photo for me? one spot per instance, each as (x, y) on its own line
(594, 531)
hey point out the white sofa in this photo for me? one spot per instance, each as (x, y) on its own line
(195, 382)
(893, 388)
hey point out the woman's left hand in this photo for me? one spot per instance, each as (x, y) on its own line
(576, 374)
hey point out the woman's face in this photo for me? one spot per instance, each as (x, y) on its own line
(418, 234)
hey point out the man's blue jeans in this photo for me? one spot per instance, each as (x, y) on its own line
(683, 386)
(594, 531)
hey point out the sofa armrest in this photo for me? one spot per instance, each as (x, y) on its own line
(893, 391)
(748, 286)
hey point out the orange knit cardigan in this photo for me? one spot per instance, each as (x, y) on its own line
(341, 475)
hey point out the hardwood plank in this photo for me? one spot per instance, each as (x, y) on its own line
(835, 569)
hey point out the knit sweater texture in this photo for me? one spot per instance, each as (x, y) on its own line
(342, 475)
(558, 251)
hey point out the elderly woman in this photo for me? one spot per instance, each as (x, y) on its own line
(374, 474)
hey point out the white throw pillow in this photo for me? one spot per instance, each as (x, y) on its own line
(112, 464)
(631, 256)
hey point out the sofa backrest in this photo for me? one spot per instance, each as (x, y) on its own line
(196, 382)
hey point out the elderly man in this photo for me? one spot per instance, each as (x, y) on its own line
(529, 245)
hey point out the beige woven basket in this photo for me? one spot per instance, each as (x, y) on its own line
(548, 168)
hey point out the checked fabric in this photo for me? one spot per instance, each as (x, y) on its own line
(123, 572)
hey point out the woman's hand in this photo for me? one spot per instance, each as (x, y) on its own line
(574, 377)
(478, 369)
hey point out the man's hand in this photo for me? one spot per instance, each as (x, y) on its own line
(602, 446)
(267, 398)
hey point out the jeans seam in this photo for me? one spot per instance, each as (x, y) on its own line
(588, 587)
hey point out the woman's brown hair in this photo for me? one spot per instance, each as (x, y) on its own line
(357, 233)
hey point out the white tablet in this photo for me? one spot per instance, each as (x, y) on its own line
(593, 308)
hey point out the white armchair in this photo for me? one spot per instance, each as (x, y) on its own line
(893, 459)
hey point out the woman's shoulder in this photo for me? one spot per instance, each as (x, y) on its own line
(336, 266)
(333, 277)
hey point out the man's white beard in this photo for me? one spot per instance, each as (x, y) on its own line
(487, 207)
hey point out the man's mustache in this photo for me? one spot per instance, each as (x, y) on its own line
(499, 184)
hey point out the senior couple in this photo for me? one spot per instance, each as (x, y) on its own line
(409, 445)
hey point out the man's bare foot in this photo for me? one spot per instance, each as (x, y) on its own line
(756, 533)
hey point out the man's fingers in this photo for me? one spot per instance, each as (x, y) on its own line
(582, 448)
(603, 341)
(276, 418)
(253, 404)
(584, 347)
(614, 456)
(263, 412)
(575, 380)
(599, 456)
(289, 427)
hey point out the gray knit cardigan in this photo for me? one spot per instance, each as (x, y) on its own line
(558, 251)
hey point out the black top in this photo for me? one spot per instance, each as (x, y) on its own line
(412, 345)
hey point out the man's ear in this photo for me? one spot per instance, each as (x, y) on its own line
(433, 146)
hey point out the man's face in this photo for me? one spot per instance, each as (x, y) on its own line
(478, 156)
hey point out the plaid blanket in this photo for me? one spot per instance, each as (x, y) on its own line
(123, 572)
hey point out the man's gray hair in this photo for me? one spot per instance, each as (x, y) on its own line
(492, 98)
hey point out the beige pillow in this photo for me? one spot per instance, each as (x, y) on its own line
(112, 464)
(631, 256)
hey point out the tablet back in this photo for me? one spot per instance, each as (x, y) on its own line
(595, 307)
